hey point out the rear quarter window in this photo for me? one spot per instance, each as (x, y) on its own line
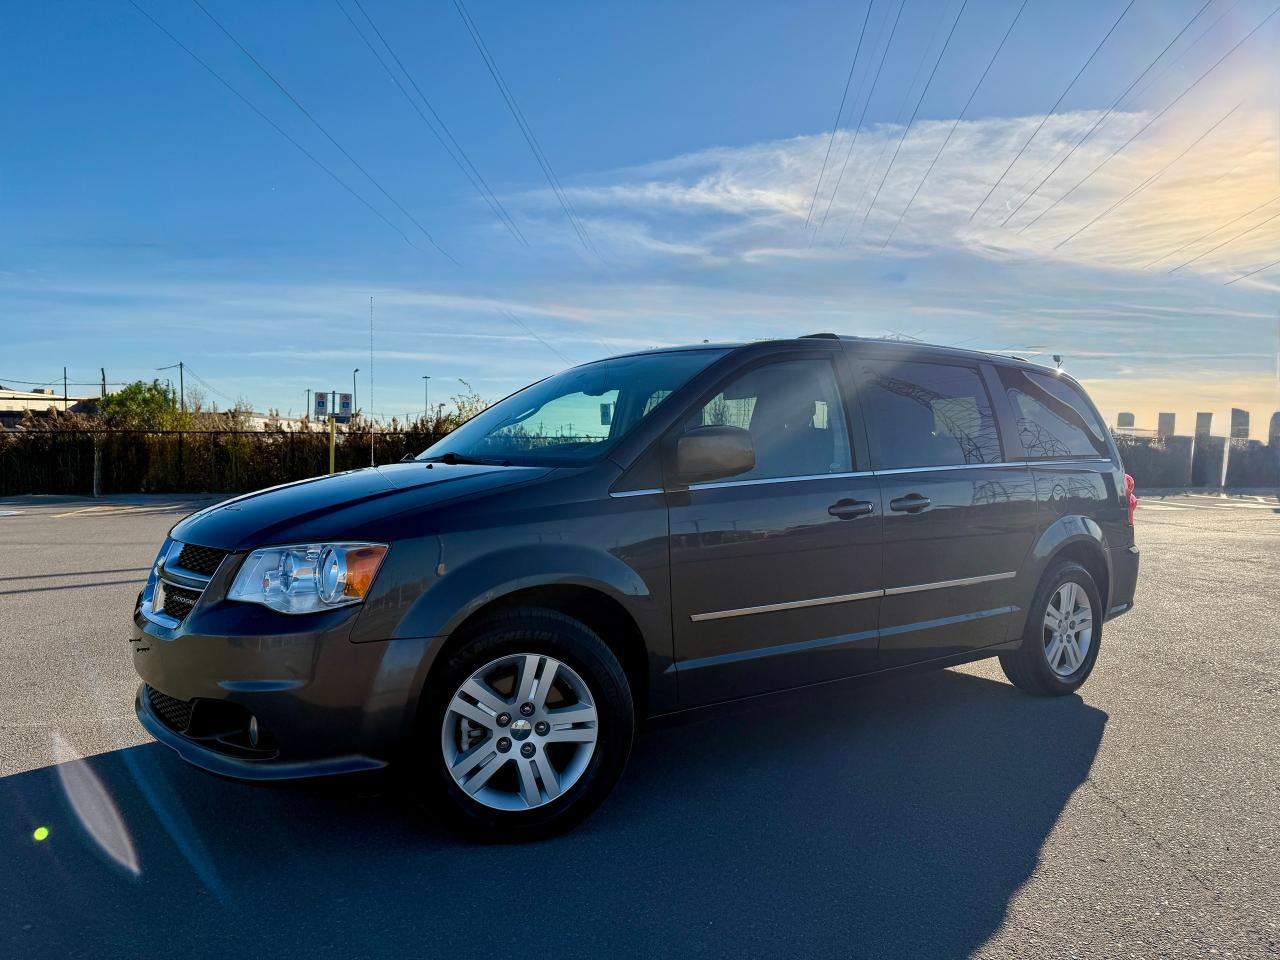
(1053, 420)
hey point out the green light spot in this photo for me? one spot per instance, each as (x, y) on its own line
(40, 833)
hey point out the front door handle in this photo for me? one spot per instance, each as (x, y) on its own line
(911, 503)
(851, 509)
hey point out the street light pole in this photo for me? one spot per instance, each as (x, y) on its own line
(426, 397)
(354, 405)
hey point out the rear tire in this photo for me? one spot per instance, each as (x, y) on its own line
(1063, 634)
(497, 773)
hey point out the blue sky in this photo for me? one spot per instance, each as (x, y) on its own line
(148, 216)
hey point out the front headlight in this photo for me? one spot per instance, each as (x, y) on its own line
(308, 577)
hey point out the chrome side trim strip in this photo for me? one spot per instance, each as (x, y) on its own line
(713, 484)
(944, 584)
(949, 466)
(1067, 463)
(849, 597)
(790, 605)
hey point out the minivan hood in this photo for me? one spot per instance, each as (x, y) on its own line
(352, 505)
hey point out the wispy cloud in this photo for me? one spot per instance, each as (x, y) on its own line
(749, 203)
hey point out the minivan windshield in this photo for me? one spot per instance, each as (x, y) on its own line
(574, 416)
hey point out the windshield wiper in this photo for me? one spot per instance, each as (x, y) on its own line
(453, 458)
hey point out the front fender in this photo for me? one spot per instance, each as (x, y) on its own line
(461, 591)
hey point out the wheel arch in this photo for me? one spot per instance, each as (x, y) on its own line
(604, 614)
(1093, 557)
(1076, 538)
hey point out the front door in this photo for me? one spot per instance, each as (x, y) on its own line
(775, 574)
(959, 520)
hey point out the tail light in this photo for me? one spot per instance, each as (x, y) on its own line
(1133, 501)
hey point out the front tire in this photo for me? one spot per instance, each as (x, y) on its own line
(528, 727)
(1062, 636)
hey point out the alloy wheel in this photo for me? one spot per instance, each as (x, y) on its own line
(520, 731)
(1068, 629)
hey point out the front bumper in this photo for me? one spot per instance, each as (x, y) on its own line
(321, 703)
(207, 757)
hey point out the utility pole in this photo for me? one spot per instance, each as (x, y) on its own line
(104, 382)
(306, 411)
(426, 398)
(333, 429)
(354, 405)
(182, 385)
(64, 389)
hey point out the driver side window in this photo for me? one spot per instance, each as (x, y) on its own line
(792, 410)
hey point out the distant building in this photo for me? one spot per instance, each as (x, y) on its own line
(1125, 421)
(1204, 424)
(1165, 425)
(1239, 424)
(1273, 432)
(15, 403)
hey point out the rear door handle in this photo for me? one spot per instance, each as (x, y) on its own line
(851, 509)
(911, 503)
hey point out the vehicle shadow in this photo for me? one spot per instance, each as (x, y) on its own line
(894, 818)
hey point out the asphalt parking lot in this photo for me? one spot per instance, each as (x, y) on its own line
(935, 815)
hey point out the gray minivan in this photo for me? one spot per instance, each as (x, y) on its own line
(631, 537)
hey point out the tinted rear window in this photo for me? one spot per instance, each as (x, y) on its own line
(927, 415)
(1053, 419)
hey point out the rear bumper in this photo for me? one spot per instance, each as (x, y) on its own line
(1124, 580)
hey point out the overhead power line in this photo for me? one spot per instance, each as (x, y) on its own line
(1205, 236)
(1150, 180)
(839, 113)
(280, 130)
(1169, 106)
(72, 383)
(1243, 276)
(526, 131)
(914, 112)
(529, 330)
(899, 116)
(1242, 233)
(1102, 118)
(316, 123)
(439, 129)
(1187, 49)
(955, 123)
(1053, 109)
(863, 116)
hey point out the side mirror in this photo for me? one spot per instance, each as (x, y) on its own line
(714, 452)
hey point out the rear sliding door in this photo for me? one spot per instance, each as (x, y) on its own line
(959, 519)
